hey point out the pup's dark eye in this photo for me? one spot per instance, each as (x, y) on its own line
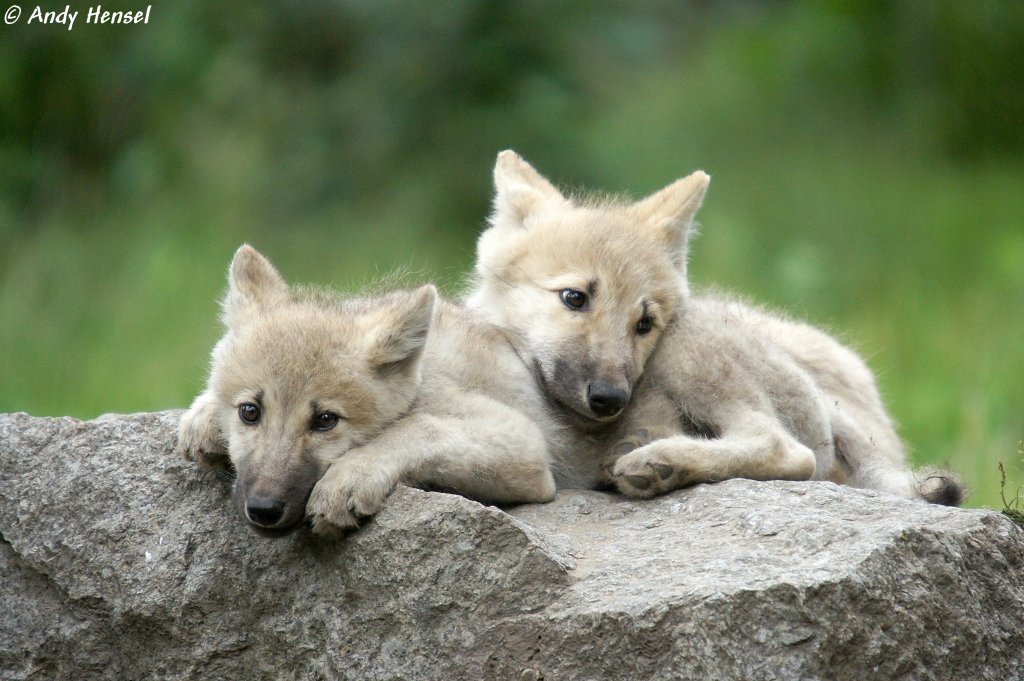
(573, 298)
(644, 325)
(249, 413)
(324, 421)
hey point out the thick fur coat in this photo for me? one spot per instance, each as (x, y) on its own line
(698, 387)
(322, 404)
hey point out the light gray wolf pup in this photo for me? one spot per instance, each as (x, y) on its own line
(594, 293)
(322, 405)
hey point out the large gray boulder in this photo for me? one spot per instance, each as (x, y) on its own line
(120, 561)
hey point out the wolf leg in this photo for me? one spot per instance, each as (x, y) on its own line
(753, 445)
(479, 448)
(199, 435)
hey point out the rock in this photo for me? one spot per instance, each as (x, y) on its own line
(122, 562)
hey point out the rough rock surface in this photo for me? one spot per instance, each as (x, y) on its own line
(121, 562)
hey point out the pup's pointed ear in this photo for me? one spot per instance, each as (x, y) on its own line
(519, 189)
(670, 211)
(397, 332)
(252, 282)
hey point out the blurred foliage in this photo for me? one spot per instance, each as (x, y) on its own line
(867, 164)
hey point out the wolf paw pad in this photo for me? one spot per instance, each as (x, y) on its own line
(641, 476)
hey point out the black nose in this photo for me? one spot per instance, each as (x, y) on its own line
(263, 511)
(606, 399)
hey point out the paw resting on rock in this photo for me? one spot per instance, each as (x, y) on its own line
(348, 493)
(638, 474)
(199, 440)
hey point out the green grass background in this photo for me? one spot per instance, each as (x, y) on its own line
(866, 161)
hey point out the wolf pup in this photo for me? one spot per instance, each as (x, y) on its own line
(323, 405)
(595, 294)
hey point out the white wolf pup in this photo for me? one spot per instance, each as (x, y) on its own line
(594, 293)
(323, 405)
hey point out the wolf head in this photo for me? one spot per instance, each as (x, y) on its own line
(587, 286)
(301, 377)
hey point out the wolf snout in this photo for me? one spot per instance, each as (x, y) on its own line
(265, 512)
(606, 399)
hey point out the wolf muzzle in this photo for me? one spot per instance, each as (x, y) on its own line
(606, 399)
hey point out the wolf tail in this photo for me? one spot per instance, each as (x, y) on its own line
(938, 486)
(934, 485)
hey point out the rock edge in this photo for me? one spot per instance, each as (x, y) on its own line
(121, 561)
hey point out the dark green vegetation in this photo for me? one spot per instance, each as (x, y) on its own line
(868, 165)
(1011, 507)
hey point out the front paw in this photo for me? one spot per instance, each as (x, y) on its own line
(643, 474)
(199, 439)
(634, 440)
(348, 493)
